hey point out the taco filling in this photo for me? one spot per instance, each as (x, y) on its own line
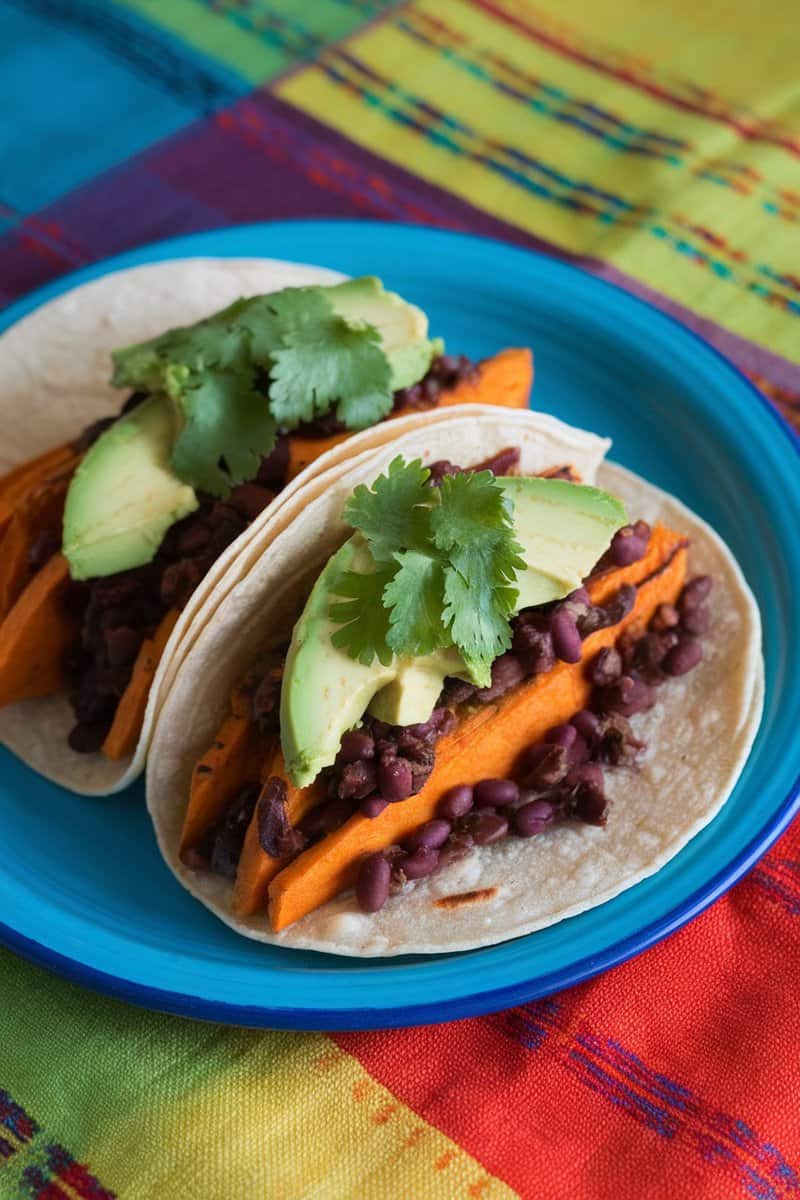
(463, 673)
(103, 540)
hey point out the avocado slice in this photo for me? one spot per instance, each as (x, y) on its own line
(403, 327)
(124, 496)
(563, 527)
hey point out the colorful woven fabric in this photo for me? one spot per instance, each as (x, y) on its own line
(660, 146)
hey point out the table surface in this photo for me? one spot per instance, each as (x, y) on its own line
(659, 147)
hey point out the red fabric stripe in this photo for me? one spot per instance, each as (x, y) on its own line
(631, 1086)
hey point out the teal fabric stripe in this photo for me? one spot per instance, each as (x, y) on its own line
(86, 85)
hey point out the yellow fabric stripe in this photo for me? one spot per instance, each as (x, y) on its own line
(289, 1117)
(669, 208)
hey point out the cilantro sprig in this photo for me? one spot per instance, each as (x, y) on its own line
(445, 566)
(261, 364)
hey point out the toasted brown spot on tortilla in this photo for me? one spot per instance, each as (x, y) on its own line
(461, 898)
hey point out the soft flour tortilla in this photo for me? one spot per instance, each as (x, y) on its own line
(699, 735)
(55, 367)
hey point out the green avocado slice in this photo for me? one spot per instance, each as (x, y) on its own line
(563, 527)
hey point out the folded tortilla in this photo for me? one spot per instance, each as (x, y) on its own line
(698, 734)
(55, 367)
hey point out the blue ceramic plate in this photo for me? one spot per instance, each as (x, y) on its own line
(82, 888)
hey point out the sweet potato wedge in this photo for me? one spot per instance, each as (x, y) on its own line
(29, 475)
(37, 511)
(504, 380)
(124, 733)
(35, 635)
(487, 744)
(256, 867)
(232, 760)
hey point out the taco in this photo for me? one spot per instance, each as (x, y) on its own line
(114, 539)
(465, 695)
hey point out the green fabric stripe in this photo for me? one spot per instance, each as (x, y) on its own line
(260, 40)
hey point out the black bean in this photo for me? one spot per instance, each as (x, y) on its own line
(373, 806)
(590, 798)
(440, 722)
(455, 803)
(587, 724)
(276, 835)
(627, 547)
(357, 780)
(495, 792)
(627, 695)
(372, 886)
(229, 835)
(501, 463)
(446, 364)
(335, 813)
(419, 864)
(606, 667)
(695, 592)
(457, 691)
(561, 735)
(533, 646)
(356, 745)
(431, 389)
(665, 617)
(87, 737)
(695, 621)
(533, 818)
(686, 655)
(652, 649)
(191, 539)
(440, 469)
(122, 645)
(507, 672)
(544, 765)
(43, 547)
(485, 828)
(565, 636)
(615, 743)
(395, 779)
(249, 499)
(429, 836)
(457, 846)
(272, 472)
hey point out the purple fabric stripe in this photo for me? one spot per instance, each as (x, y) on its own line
(262, 159)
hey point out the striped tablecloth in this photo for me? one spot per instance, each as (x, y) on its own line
(659, 145)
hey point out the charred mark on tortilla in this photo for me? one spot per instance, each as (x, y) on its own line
(459, 899)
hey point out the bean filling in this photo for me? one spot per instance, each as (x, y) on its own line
(562, 777)
(119, 612)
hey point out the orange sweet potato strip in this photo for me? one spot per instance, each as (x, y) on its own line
(35, 636)
(233, 759)
(39, 510)
(124, 733)
(29, 475)
(487, 744)
(256, 867)
(504, 380)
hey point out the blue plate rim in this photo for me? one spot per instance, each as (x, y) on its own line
(480, 1002)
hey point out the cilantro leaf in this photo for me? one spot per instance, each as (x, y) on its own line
(391, 515)
(364, 622)
(448, 561)
(227, 429)
(477, 618)
(473, 507)
(327, 362)
(216, 372)
(415, 600)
